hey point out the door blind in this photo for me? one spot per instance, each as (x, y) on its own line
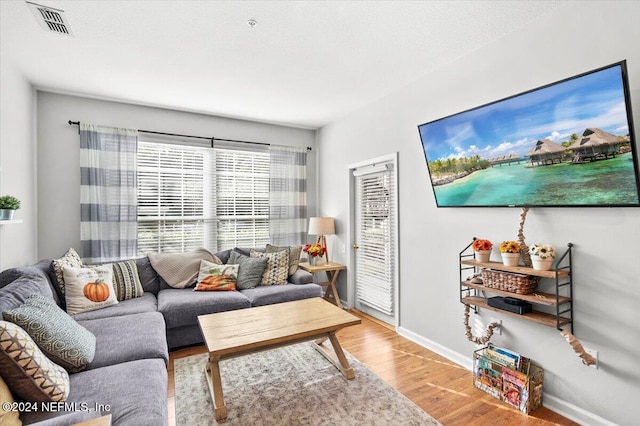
(375, 238)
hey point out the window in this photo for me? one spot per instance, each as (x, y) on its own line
(190, 197)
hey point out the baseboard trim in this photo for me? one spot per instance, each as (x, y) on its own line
(459, 359)
(573, 412)
(553, 403)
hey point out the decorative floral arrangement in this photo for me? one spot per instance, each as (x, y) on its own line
(509, 247)
(543, 251)
(314, 250)
(482, 245)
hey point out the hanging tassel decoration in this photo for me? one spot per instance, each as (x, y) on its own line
(486, 336)
(578, 348)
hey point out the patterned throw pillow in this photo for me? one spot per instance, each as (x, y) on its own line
(213, 277)
(277, 269)
(250, 269)
(88, 289)
(62, 339)
(294, 255)
(70, 259)
(28, 372)
(126, 281)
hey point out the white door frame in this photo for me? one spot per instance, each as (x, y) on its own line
(351, 231)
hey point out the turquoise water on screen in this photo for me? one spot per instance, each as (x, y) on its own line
(608, 182)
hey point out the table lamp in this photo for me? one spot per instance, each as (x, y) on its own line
(322, 226)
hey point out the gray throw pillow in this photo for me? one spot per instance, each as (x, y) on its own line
(59, 336)
(250, 270)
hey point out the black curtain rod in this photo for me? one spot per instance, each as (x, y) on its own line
(212, 139)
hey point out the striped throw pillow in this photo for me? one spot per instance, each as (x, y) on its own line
(126, 281)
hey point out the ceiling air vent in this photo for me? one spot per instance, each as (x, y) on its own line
(51, 19)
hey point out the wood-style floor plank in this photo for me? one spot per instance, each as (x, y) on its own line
(440, 387)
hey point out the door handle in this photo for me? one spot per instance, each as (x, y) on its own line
(355, 246)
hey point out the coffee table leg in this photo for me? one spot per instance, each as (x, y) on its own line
(212, 371)
(341, 362)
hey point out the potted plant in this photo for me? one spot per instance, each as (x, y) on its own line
(510, 252)
(482, 249)
(314, 251)
(8, 205)
(542, 256)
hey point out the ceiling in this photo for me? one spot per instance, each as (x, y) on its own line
(304, 64)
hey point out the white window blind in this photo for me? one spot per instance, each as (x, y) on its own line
(375, 232)
(242, 198)
(190, 197)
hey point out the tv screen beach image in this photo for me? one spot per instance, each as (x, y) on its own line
(567, 144)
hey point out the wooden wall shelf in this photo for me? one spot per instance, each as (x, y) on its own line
(474, 294)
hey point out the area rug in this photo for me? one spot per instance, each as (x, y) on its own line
(293, 385)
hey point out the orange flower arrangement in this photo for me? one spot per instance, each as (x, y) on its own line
(509, 247)
(314, 249)
(482, 245)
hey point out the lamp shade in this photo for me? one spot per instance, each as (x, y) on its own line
(321, 226)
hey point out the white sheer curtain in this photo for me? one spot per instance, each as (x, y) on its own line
(287, 195)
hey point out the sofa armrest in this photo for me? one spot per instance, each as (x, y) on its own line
(301, 277)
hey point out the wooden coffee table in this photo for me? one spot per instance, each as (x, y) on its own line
(245, 331)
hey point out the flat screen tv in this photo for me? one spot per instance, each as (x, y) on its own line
(567, 144)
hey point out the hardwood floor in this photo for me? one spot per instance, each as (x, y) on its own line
(440, 387)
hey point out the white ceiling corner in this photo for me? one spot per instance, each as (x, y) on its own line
(305, 63)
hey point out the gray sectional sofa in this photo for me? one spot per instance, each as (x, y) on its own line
(129, 369)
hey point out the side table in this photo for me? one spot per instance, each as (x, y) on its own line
(332, 270)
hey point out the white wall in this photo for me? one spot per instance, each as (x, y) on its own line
(578, 37)
(58, 153)
(17, 165)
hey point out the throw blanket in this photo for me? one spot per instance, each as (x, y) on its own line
(180, 270)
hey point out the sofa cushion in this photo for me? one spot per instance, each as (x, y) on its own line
(62, 339)
(268, 295)
(146, 303)
(301, 277)
(294, 255)
(250, 269)
(134, 393)
(182, 306)
(214, 277)
(70, 259)
(16, 293)
(128, 338)
(149, 278)
(88, 289)
(277, 269)
(28, 372)
(44, 269)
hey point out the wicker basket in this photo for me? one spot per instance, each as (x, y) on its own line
(508, 281)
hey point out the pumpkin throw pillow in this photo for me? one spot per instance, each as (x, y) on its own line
(277, 269)
(214, 277)
(250, 269)
(62, 339)
(28, 372)
(126, 281)
(70, 259)
(294, 255)
(88, 289)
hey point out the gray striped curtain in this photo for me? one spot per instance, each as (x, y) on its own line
(108, 202)
(287, 195)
